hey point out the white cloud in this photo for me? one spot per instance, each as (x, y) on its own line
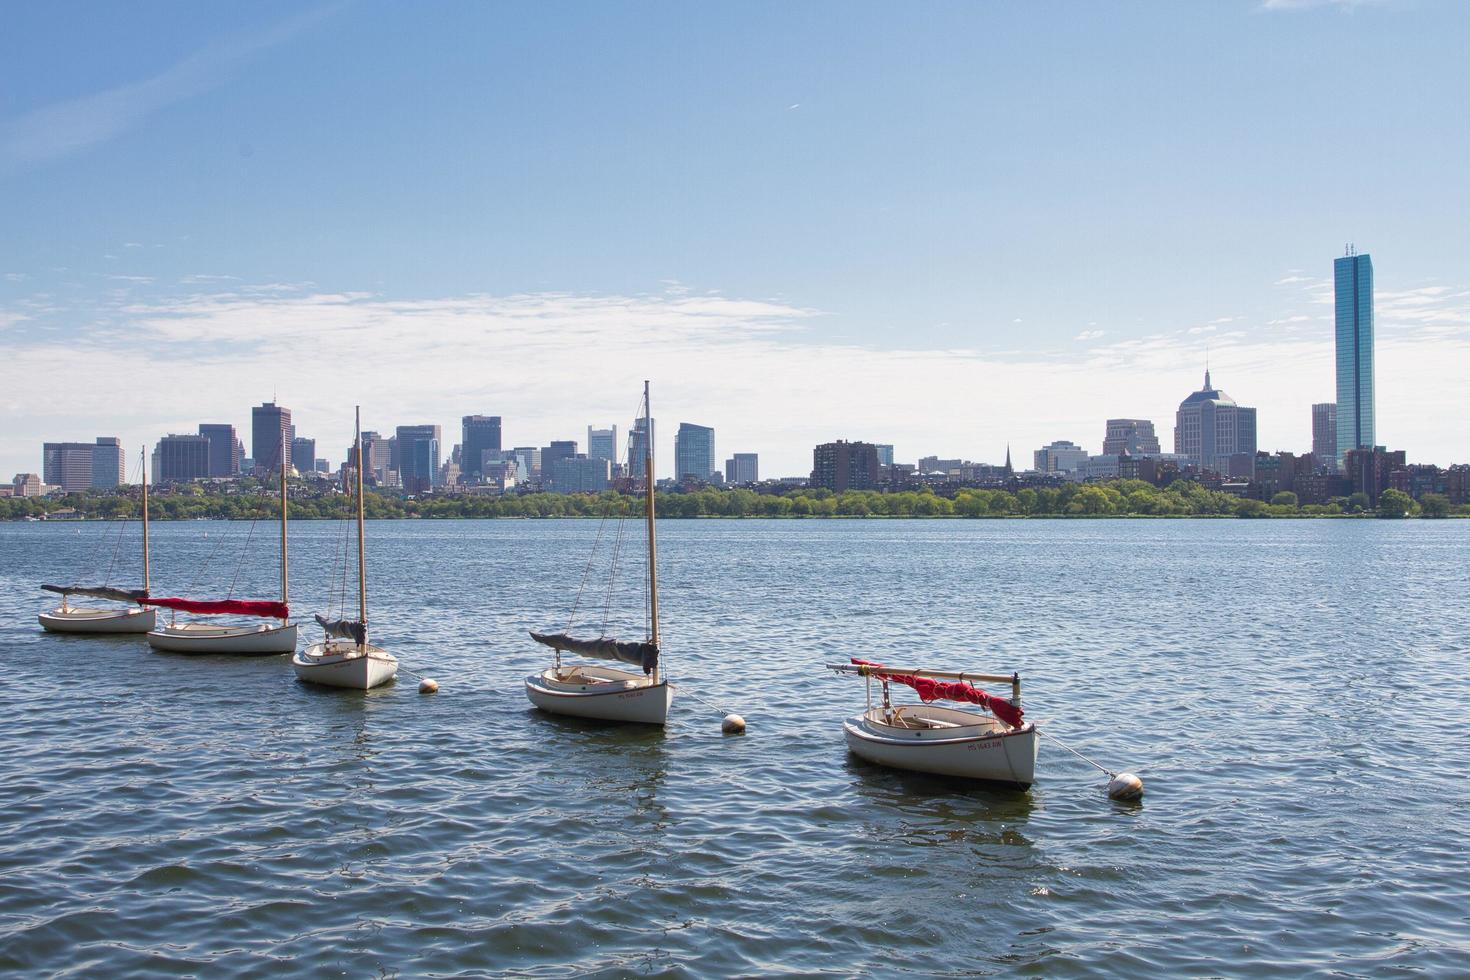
(1089, 335)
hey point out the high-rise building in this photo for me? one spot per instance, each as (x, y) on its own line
(885, 453)
(182, 458)
(26, 484)
(418, 457)
(844, 465)
(603, 443)
(559, 449)
(1353, 294)
(303, 455)
(479, 433)
(224, 449)
(745, 468)
(694, 452)
(1135, 436)
(528, 462)
(109, 463)
(1370, 468)
(270, 433)
(1324, 434)
(1062, 456)
(643, 436)
(1209, 428)
(580, 474)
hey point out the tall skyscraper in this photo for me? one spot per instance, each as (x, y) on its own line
(1136, 436)
(75, 466)
(1353, 293)
(418, 456)
(528, 462)
(559, 449)
(638, 447)
(694, 452)
(1209, 428)
(1324, 434)
(303, 455)
(885, 453)
(479, 433)
(603, 443)
(845, 466)
(182, 458)
(108, 463)
(745, 468)
(224, 449)
(270, 426)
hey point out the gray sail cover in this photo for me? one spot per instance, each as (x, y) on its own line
(344, 629)
(99, 592)
(643, 655)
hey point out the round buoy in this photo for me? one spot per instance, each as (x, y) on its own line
(732, 724)
(428, 686)
(1125, 786)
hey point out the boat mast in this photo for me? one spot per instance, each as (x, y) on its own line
(284, 580)
(652, 541)
(361, 543)
(143, 469)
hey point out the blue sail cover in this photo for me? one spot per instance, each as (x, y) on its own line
(643, 655)
(344, 629)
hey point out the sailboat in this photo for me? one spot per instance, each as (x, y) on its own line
(611, 693)
(345, 658)
(998, 747)
(132, 618)
(256, 639)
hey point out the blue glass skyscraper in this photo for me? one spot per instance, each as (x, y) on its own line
(1353, 279)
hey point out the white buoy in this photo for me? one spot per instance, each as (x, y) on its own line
(1125, 786)
(428, 686)
(732, 724)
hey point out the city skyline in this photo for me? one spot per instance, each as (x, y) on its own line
(789, 247)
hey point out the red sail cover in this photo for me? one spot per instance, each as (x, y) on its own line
(931, 690)
(239, 607)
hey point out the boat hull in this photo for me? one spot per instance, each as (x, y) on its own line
(344, 664)
(256, 641)
(99, 620)
(625, 698)
(1007, 757)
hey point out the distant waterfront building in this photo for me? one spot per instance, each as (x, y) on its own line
(1324, 434)
(72, 465)
(1061, 456)
(26, 484)
(694, 452)
(845, 465)
(885, 453)
(303, 455)
(603, 443)
(502, 474)
(1353, 296)
(224, 449)
(1371, 470)
(108, 463)
(182, 458)
(743, 468)
(1134, 436)
(1209, 428)
(643, 436)
(933, 464)
(580, 474)
(418, 456)
(558, 450)
(270, 424)
(528, 462)
(1106, 466)
(480, 433)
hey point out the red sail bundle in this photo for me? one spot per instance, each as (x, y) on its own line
(930, 689)
(239, 607)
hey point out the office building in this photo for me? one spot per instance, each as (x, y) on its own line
(745, 468)
(1353, 296)
(224, 449)
(1372, 468)
(303, 455)
(1324, 434)
(640, 445)
(72, 465)
(885, 453)
(182, 458)
(418, 456)
(1062, 456)
(558, 450)
(528, 462)
(26, 485)
(603, 443)
(270, 427)
(109, 463)
(845, 465)
(478, 434)
(1209, 428)
(501, 474)
(1133, 436)
(580, 473)
(694, 452)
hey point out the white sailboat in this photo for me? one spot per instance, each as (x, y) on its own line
(999, 747)
(610, 693)
(258, 639)
(130, 618)
(345, 658)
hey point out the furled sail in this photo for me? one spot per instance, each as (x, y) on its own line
(239, 607)
(100, 592)
(930, 689)
(346, 629)
(643, 655)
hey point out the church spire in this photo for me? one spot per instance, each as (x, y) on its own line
(1010, 471)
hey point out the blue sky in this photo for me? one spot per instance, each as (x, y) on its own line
(946, 226)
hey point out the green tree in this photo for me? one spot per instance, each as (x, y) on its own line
(1394, 503)
(1357, 503)
(1284, 499)
(1434, 505)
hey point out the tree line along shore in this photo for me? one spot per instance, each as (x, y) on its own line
(1117, 498)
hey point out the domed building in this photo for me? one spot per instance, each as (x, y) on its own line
(1209, 428)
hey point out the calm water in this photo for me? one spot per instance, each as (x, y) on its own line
(1293, 694)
